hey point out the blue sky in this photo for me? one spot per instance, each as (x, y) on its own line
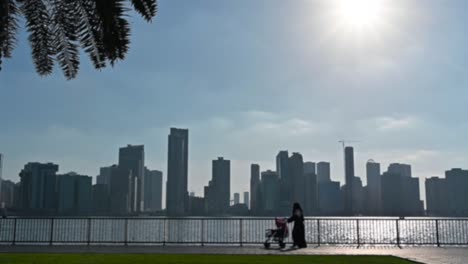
(249, 78)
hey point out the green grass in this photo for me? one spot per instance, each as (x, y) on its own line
(191, 259)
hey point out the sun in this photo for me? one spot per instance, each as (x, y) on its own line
(360, 14)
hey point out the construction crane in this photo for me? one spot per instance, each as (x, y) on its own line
(344, 142)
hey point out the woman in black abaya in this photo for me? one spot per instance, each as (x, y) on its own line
(298, 233)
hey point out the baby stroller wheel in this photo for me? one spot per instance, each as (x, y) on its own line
(282, 244)
(267, 245)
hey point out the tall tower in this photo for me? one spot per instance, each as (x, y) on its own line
(374, 191)
(323, 172)
(254, 186)
(132, 162)
(349, 178)
(177, 172)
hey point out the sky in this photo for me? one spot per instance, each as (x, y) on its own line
(249, 78)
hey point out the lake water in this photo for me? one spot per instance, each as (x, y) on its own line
(230, 230)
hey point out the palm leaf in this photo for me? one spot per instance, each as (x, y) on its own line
(65, 36)
(90, 32)
(38, 24)
(146, 8)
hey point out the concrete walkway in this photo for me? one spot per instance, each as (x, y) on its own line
(429, 255)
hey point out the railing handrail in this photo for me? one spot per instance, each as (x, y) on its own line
(356, 230)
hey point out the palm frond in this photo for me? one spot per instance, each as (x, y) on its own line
(38, 23)
(64, 21)
(8, 26)
(90, 32)
(115, 28)
(146, 8)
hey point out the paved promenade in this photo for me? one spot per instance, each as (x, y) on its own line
(429, 255)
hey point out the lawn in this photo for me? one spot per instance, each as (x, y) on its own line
(191, 259)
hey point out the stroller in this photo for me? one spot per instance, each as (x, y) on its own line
(279, 234)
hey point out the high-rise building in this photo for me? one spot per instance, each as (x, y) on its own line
(38, 187)
(323, 172)
(309, 167)
(400, 192)
(437, 197)
(254, 186)
(120, 184)
(177, 173)
(330, 202)
(285, 182)
(296, 168)
(101, 199)
(374, 192)
(104, 176)
(400, 169)
(74, 194)
(7, 197)
(349, 179)
(269, 187)
(457, 182)
(153, 190)
(236, 198)
(311, 206)
(246, 199)
(218, 192)
(132, 162)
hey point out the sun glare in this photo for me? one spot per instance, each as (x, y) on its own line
(360, 14)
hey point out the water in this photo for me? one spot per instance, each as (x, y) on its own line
(230, 230)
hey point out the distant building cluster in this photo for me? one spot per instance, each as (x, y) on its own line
(130, 188)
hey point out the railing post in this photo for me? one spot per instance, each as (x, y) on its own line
(51, 239)
(203, 232)
(357, 231)
(318, 232)
(126, 232)
(437, 232)
(164, 231)
(14, 233)
(88, 236)
(240, 231)
(398, 232)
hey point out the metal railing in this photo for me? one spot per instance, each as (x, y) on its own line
(233, 231)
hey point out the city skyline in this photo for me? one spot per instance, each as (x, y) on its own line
(338, 176)
(301, 92)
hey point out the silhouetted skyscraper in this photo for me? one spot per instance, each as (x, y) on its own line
(246, 199)
(104, 176)
(132, 162)
(437, 197)
(323, 172)
(177, 173)
(309, 167)
(400, 192)
(38, 187)
(349, 179)
(120, 184)
(457, 182)
(74, 194)
(285, 181)
(269, 188)
(311, 194)
(374, 192)
(101, 199)
(330, 201)
(296, 168)
(218, 192)
(254, 187)
(236, 198)
(153, 190)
